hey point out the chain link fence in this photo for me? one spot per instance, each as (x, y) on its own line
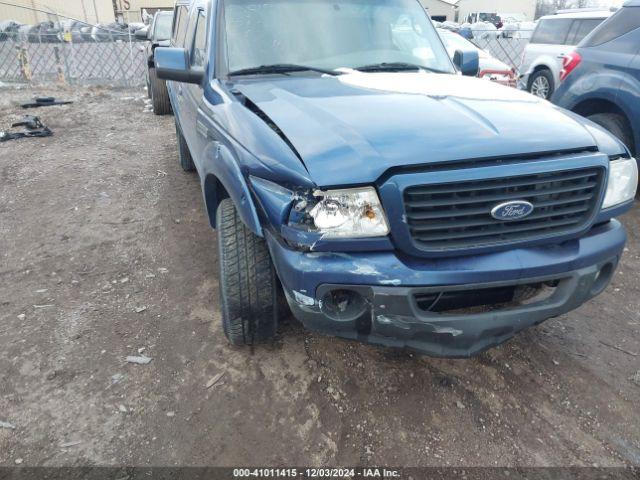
(71, 52)
(114, 62)
(507, 48)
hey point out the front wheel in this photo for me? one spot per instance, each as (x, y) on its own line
(248, 283)
(541, 84)
(159, 94)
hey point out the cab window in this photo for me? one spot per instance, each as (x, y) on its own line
(179, 25)
(198, 55)
(552, 31)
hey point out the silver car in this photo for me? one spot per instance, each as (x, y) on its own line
(554, 36)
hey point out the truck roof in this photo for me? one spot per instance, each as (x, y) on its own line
(583, 14)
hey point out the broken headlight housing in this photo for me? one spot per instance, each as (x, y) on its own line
(348, 213)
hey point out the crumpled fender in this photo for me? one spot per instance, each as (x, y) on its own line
(224, 170)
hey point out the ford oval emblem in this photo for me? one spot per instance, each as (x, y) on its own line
(510, 211)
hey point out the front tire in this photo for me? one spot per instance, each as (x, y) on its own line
(248, 283)
(541, 84)
(159, 94)
(186, 160)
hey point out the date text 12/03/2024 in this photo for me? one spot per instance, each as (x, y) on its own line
(372, 472)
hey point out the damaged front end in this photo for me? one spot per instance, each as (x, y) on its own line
(308, 218)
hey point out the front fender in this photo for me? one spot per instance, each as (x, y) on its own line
(223, 171)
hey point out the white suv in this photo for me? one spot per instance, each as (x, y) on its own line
(554, 36)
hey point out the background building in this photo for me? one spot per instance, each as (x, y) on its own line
(131, 10)
(26, 11)
(440, 10)
(90, 11)
(520, 9)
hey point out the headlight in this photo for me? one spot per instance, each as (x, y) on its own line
(623, 182)
(349, 213)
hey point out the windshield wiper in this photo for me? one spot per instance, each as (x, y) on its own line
(395, 67)
(281, 68)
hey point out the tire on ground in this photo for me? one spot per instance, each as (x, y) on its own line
(186, 160)
(248, 283)
(159, 94)
(545, 73)
(617, 125)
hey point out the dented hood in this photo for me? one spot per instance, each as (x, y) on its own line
(351, 128)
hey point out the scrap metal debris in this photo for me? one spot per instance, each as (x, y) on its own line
(33, 127)
(214, 380)
(140, 360)
(8, 425)
(45, 102)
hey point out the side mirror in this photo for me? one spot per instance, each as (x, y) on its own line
(173, 64)
(142, 33)
(467, 61)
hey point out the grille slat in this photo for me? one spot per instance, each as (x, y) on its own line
(491, 221)
(497, 198)
(489, 185)
(486, 210)
(457, 215)
(483, 233)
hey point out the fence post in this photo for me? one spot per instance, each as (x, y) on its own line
(133, 68)
(59, 70)
(23, 61)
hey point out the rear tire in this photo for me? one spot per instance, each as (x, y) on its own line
(186, 160)
(617, 125)
(159, 94)
(541, 84)
(248, 283)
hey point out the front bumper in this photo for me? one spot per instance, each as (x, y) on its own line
(581, 268)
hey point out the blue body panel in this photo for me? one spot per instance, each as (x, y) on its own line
(607, 79)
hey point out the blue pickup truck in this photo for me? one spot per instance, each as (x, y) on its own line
(351, 168)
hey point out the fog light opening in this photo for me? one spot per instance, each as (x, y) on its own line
(602, 278)
(343, 305)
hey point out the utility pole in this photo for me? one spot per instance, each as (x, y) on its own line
(84, 12)
(95, 9)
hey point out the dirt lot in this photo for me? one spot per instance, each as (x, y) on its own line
(105, 252)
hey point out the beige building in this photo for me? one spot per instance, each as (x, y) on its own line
(34, 11)
(518, 9)
(90, 11)
(440, 10)
(131, 10)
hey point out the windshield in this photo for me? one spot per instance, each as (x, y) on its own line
(331, 34)
(162, 28)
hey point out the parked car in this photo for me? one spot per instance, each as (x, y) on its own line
(554, 36)
(390, 197)
(158, 34)
(9, 30)
(490, 68)
(601, 78)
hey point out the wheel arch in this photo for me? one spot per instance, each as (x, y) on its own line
(593, 106)
(227, 181)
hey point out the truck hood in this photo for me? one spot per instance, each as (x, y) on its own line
(352, 128)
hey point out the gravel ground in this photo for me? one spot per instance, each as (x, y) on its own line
(105, 252)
